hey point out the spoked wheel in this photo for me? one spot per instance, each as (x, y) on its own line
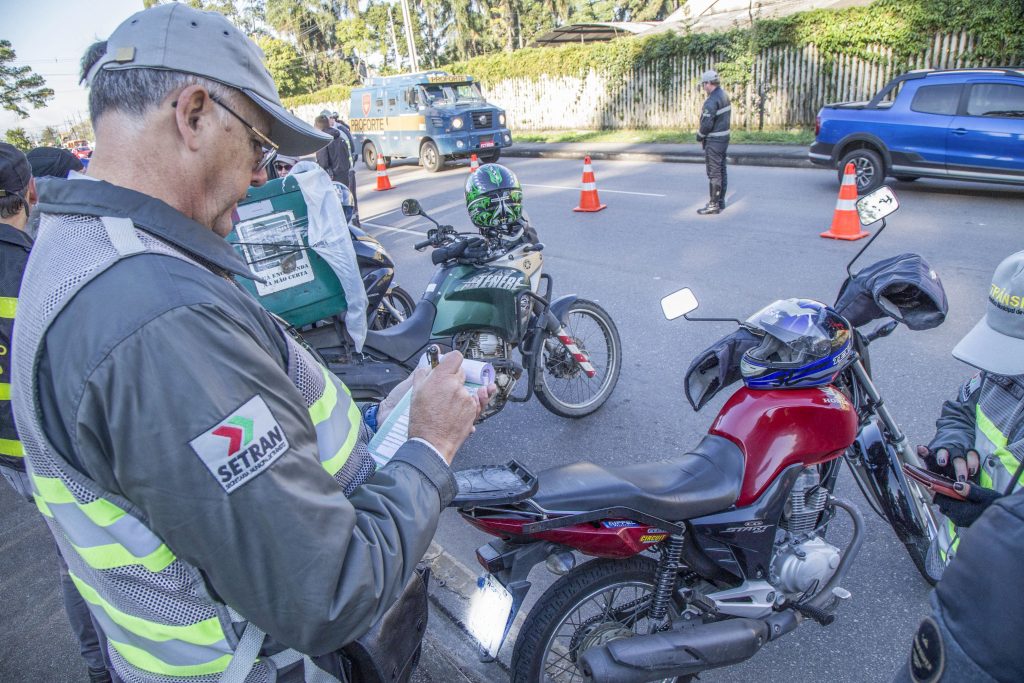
(600, 601)
(395, 307)
(565, 387)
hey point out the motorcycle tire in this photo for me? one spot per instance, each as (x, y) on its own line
(633, 578)
(923, 553)
(403, 303)
(559, 371)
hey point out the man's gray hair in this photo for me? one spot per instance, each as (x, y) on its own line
(134, 91)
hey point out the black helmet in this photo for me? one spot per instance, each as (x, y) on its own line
(494, 198)
(805, 344)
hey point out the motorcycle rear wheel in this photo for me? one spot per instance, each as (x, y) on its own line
(564, 388)
(550, 643)
(402, 302)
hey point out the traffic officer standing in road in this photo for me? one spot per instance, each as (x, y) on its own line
(17, 196)
(207, 480)
(977, 609)
(713, 134)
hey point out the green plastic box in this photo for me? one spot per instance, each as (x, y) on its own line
(270, 235)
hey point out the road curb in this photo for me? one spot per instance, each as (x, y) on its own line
(738, 157)
(453, 585)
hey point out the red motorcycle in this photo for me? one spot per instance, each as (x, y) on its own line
(704, 557)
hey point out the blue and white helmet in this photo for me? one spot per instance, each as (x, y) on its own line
(805, 344)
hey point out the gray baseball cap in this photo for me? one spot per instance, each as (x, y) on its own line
(709, 76)
(176, 37)
(996, 344)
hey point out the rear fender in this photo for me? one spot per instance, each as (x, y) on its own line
(860, 140)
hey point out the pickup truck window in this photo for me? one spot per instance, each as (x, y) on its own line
(996, 99)
(937, 99)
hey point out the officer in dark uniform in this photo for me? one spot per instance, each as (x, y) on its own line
(714, 137)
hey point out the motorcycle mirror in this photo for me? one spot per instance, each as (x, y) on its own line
(411, 207)
(873, 207)
(679, 303)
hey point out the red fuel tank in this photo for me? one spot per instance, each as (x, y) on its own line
(777, 428)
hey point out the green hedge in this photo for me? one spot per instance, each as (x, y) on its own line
(906, 26)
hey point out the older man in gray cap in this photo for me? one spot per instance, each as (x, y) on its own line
(713, 134)
(207, 481)
(979, 442)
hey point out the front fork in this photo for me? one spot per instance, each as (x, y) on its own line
(899, 441)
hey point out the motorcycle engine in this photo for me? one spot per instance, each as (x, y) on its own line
(803, 559)
(490, 348)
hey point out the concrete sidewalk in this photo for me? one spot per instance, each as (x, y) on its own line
(789, 156)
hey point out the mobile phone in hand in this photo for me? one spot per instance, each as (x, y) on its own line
(937, 483)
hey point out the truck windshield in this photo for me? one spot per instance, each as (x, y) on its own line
(465, 92)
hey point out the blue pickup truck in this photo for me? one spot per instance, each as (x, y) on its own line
(958, 124)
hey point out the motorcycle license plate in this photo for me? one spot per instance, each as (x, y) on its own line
(489, 614)
(487, 143)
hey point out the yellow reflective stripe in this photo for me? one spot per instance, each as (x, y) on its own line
(8, 306)
(338, 460)
(43, 507)
(321, 410)
(100, 511)
(208, 632)
(12, 448)
(114, 555)
(5, 391)
(990, 431)
(141, 659)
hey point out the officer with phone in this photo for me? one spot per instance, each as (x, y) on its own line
(975, 465)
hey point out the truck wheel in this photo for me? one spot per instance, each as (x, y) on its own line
(431, 159)
(869, 167)
(370, 156)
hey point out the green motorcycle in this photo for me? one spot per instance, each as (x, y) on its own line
(489, 299)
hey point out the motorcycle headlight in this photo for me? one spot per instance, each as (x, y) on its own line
(457, 123)
(501, 119)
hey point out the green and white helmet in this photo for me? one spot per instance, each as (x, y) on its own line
(494, 198)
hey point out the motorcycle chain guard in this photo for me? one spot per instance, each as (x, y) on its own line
(494, 485)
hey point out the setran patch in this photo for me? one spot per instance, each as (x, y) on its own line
(242, 445)
(927, 657)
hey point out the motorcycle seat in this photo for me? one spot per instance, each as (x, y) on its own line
(405, 339)
(694, 484)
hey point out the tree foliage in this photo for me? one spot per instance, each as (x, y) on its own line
(19, 138)
(19, 86)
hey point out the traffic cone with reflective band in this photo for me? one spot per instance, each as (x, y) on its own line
(474, 163)
(845, 222)
(383, 182)
(589, 200)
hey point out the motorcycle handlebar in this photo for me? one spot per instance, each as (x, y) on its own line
(420, 246)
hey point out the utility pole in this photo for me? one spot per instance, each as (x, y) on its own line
(414, 59)
(394, 38)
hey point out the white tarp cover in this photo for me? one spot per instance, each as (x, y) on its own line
(329, 237)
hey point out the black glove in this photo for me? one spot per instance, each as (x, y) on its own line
(957, 463)
(964, 512)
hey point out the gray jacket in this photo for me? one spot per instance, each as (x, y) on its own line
(152, 353)
(715, 116)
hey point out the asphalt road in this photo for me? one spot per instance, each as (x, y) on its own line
(648, 243)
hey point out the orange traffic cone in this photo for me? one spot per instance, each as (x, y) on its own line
(589, 200)
(845, 222)
(383, 182)
(474, 163)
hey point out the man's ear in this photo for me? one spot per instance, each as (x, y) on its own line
(31, 195)
(194, 115)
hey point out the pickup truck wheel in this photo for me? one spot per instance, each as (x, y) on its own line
(869, 167)
(431, 158)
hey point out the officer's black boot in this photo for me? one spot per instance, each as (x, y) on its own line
(721, 199)
(714, 205)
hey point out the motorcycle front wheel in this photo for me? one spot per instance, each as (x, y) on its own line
(396, 307)
(565, 389)
(594, 604)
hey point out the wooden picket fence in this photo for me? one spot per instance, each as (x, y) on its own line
(798, 81)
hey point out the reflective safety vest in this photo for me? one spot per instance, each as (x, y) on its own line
(998, 416)
(162, 624)
(14, 250)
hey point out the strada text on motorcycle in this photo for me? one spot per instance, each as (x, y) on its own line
(704, 557)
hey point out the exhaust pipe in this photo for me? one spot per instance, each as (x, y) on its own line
(689, 650)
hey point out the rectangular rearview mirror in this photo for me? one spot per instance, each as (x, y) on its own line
(679, 304)
(873, 207)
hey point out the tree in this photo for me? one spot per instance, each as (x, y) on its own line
(19, 138)
(18, 85)
(50, 137)
(286, 66)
